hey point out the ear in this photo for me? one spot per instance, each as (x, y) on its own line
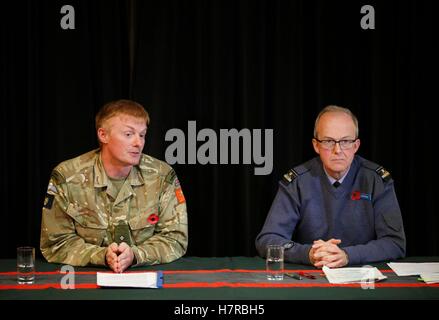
(103, 135)
(357, 145)
(315, 145)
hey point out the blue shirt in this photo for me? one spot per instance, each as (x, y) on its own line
(332, 180)
(363, 213)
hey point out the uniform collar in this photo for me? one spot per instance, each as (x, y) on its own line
(348, 178)
(135, 177)
(332, 180)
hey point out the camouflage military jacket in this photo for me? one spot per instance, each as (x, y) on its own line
(82, 210)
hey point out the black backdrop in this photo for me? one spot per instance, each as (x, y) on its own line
(226, 64)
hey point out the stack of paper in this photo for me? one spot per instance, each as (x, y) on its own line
(134, 279)
(428, 271)
(430, 277)
(414, 269)
(353, 275)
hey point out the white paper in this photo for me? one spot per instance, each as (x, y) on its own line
(134, 279)
(413, 269)
(353, 275)
(430, 277)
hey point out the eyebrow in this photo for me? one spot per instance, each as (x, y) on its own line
(342, 138)
(134, 129)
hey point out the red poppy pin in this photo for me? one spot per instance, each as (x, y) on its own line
(153, 218)
(356, 195)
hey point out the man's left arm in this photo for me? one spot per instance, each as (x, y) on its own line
(390, 239)
(170, 238)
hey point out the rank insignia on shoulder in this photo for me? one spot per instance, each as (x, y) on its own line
(289, 176)
(384, 174)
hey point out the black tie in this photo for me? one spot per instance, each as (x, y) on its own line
(336, 184)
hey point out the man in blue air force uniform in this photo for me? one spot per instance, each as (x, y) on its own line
(337, 209)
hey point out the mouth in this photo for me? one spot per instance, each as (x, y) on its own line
(134, 153)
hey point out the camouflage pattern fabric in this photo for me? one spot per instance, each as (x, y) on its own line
(83, 212)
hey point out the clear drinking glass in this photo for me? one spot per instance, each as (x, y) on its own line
(275, 262)
(25, 265)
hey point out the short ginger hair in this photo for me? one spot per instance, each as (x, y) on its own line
(125, 107)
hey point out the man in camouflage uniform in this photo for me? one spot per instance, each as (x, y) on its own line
(114, 205)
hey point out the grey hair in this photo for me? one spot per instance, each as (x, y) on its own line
(333, 108)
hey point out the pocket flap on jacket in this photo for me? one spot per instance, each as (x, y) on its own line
(87, 218)
(143, 220)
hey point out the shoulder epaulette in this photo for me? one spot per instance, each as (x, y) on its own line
(289, 176)
(383, 173)
(170, 176)
(57, 177)
(292, 174)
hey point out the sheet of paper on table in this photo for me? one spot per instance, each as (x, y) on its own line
(132, 279)
(414, 269)
(353, 275)
(430, 278)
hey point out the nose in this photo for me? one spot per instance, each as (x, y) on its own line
(137, 141)
(337, 148)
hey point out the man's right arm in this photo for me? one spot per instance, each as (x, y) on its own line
(59, 242)
(281, 222)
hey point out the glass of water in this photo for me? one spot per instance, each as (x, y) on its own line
(25, 265)
(275, 262)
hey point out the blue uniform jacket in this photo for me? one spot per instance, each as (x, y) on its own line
(363, 212)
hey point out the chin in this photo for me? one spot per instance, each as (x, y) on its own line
(132, 162)
(338, 169)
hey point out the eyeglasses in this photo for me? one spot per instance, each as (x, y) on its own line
(330, 144)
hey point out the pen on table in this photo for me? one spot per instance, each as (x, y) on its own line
(294, 276)
(307, 275)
